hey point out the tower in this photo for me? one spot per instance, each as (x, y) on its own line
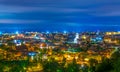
(76, 38)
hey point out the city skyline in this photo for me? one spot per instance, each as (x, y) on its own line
(59, 36)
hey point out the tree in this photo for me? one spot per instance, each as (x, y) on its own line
(115, 60)
(92, 63)
(105, 66)
(115, 56)
(72, 67)
(116, 66)
(1, 67)
(51, 66)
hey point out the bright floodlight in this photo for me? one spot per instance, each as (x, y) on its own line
(17, 32)
(0, 32)
(47, 32)
(65, 31)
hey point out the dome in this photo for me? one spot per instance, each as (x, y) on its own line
(43, 45)
(18, 54)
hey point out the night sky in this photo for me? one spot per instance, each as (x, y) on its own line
(59, 15)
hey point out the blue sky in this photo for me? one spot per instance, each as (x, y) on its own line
(57, 14)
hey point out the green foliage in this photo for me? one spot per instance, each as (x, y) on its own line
(115, 59)
(105, 66)
(115, 56)
(72, 67)
(1, 67)
(13, 66)
(51, 66)
(109, 65)
(116, 65)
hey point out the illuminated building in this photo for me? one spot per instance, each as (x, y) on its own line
(70, 46)
(97, 39)
(32, 54)
(45, 57)
(17, 42)
(84, 37)
(43, 45)
(76, 38)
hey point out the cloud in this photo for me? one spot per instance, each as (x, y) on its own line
(18, 9)
(62, 11)
(73, 10)
(114, 13)
(57, 3)
(23, 9)
(106, 10)
(15, 21)
(104, 7)
(102, 25)
(93, 25)
(73, 24)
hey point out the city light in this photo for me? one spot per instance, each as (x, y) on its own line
(15, 41)
(31, 53)
(36, 47)
(47, 32)
(0, 33)
(65, 32)
(16, 32)
(59, 35)
(84, 37)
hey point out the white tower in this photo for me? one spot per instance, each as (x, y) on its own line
(76, 38)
